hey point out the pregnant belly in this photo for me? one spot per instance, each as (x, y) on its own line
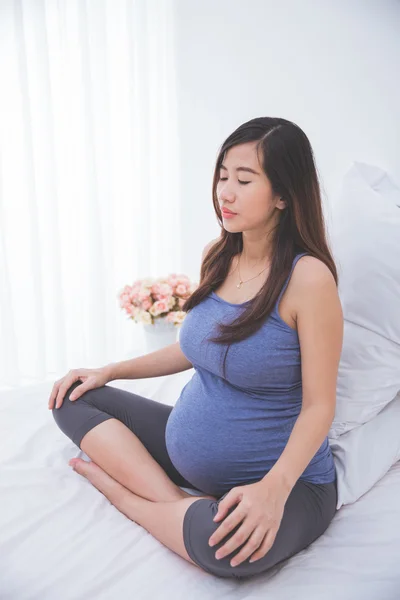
(217, 451)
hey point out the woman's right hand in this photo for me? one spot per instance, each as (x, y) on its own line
(91, 379)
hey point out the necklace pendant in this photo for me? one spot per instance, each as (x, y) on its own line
(239, 284)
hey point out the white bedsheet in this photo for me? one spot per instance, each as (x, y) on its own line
(60, 538)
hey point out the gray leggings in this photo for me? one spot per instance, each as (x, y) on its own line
(308, 510)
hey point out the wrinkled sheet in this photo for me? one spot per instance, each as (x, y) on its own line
(61, 539)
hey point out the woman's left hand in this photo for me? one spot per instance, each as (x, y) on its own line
(260, 507)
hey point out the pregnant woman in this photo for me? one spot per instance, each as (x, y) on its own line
(263, 332)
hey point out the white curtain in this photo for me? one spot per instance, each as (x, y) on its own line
(89, 198)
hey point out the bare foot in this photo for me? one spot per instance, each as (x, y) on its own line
(104, 482)
(95, 474)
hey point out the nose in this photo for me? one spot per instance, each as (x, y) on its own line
(225, 193)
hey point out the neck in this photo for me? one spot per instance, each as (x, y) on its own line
(257, 250)
(253, 259)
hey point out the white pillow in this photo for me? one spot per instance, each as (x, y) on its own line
(365, 239)
(379, 181)
(365, 454)
(368, 377)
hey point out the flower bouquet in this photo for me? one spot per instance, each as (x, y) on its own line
(156, 303)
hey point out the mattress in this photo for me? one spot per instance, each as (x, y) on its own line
(61, 539)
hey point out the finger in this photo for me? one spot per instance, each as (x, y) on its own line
(239, 538)
(78, 391)
(266, 545)
(229, 523)
(63, 388)
(253, 543)
(53, 394)
(231, 498)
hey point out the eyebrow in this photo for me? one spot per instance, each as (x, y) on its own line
(247, 169)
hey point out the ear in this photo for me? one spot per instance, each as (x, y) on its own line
(281, 204)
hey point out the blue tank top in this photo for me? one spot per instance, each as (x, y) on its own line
(222, 433)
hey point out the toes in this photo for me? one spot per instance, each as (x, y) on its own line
(79, 465)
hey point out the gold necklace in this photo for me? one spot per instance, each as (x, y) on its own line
(240, 279)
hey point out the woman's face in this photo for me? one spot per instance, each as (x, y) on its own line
(244, 188)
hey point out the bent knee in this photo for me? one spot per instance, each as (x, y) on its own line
(66, 401)
(70, 416)
(198, 527)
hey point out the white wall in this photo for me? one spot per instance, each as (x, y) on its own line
(332, 67)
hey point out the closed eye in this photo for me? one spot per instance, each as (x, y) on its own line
(242, 182)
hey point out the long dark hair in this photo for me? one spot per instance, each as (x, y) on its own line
(288, 161)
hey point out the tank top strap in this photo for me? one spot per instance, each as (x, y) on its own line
(296, 258)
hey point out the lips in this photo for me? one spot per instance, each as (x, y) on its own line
(228, 212)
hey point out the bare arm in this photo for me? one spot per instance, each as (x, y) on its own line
(166, 361)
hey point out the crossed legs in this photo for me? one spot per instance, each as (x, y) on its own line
(121, 467)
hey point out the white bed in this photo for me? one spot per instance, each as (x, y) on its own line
(60, 538)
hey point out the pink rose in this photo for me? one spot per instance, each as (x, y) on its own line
(181, 289)
(147, 303)
(158, 307)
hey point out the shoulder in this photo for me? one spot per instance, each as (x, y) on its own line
(314, 287)
(311, 271)
(208, 247)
